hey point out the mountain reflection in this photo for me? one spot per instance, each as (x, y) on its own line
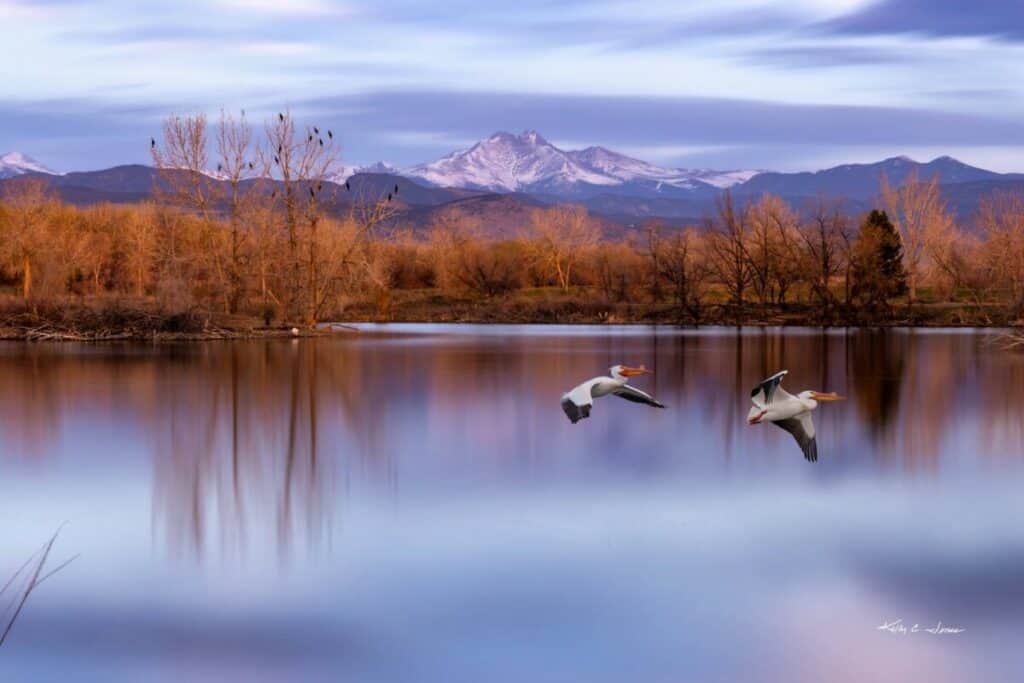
(260, 443)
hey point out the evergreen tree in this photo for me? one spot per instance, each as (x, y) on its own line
(878, 272)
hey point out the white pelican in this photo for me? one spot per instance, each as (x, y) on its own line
(577, 403)
(792, 413)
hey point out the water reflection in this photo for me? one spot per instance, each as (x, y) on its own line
(413, 505)
(251, 439)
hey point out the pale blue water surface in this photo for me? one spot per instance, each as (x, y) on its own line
(409, 503)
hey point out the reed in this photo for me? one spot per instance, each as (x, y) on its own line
(35, 565)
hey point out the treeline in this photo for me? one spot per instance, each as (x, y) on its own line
(274, 241)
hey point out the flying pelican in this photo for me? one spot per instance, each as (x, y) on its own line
(792, 413)
(578, 402)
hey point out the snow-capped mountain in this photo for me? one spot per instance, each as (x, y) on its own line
(528, 163)
(508, 163)
(346, 172)
(628, 169)
(15, 163)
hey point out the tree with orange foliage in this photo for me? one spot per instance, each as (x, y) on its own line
(919, 214)
(25, 237)
(561, 237)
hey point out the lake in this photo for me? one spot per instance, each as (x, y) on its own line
(409, 503)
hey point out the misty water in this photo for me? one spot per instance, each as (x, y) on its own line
(409, 503)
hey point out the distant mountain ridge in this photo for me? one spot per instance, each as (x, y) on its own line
(620, 188)
(863, 181)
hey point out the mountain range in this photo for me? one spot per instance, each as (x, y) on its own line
(509, 174)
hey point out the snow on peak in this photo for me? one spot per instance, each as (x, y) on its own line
(505, 162)
(346, 172)
(15, 163)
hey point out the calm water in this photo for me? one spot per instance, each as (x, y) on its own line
(410, 504)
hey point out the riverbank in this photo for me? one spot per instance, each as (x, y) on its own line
(545, 307)
(133, 321)
(142, 320)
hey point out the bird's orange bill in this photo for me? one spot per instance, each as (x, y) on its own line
(633, 372)
(832, 396)
(757, 418)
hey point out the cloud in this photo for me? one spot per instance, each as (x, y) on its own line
(667, 120)
(408, 127)
(413, 126)
(826, 56)
(995, 18)
(294, 8)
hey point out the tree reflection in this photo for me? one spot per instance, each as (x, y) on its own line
(251, 474)
(876, 375)
(248, 439)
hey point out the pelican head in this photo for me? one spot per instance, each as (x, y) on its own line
(624, 372)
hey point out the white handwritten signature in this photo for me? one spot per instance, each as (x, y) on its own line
(902, 629)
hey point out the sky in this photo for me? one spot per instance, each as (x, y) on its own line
(766, 84)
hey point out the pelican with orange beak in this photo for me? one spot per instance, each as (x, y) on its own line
(774, 404)
(578, 402)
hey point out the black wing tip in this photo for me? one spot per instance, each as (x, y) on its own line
(763, 384)
(574, 412)
(811, 452)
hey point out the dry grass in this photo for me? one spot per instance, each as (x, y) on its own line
(33, 568)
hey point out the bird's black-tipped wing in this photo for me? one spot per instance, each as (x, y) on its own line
(636, 396)
(765, 392)
(802, 429)
(574, 412)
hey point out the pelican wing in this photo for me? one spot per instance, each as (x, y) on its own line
(636, 396)
(802, 429)
(768, 390)
(578, 402)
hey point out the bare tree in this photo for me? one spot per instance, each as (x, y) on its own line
(679, 260)
(827, 234)
(238, 162)
(183, 162)
(1001, 217)
(919, 214)
(727, 250)
(185, 182)
(772, 241)
(561, 238)
(303, 162)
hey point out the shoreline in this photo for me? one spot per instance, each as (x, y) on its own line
(82, 323)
